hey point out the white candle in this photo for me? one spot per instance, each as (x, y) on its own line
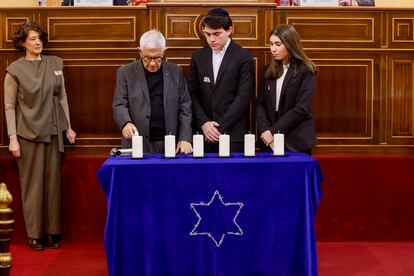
(198, 145)
(249, 147)
(137, 151)
(169, 145)
(278, 144)
(224, 145)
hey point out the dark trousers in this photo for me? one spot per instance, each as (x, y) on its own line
(156, 147)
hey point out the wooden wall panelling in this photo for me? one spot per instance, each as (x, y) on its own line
(92, 29)
(336, 28)
(383, 83)
(10, 21)
(96, 28)
(82, 27)
(344, 109)
(401, 101)
(401, 33)
(181, 23)
(91, 96)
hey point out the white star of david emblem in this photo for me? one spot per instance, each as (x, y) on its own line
(219, 218)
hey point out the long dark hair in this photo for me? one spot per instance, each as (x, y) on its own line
(22, 32)
(295, 57)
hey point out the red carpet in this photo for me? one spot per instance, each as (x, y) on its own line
(335, 259)
(365, 259)
(71, 259)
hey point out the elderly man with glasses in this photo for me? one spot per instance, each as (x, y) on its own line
(151, 97)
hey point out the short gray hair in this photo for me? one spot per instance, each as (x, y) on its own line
(152, 39)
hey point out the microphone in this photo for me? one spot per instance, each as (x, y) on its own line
(119, 152)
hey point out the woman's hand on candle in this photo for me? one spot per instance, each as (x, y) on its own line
(267, 138)
(14, 146)
(129, 130)
(184, 147)
(211, 132)
(272, 146)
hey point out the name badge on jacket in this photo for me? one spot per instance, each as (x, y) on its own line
(58, 73)
(207, 79)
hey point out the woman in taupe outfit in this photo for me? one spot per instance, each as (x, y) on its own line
(37, 114)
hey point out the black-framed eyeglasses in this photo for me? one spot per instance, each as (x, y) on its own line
(149, 59)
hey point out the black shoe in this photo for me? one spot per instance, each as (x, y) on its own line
(54, 245)
(35, 244)
(55, 241)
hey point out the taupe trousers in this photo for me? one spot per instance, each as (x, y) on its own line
(39, 171)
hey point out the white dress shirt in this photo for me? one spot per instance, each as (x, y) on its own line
(218, 58)
(279, 83)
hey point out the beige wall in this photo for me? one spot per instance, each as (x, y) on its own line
(394, 3)
(21, 3)
(26, 3)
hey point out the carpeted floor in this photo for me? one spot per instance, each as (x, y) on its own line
(71, 259)
(335, 259)
(366, 259)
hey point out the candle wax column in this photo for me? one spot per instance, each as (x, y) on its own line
(224, 145)
(169, 144)
(278, 144)
(137, 147)
(198, 145)
(249, 145)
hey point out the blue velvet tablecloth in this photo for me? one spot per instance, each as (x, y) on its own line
(211, 216)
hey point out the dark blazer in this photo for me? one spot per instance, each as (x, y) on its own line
(227, 100)
(132, 101)
(294, 118)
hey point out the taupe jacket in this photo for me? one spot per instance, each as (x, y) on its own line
(35, 99)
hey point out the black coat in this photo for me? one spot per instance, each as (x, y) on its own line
(227, 100)
(294, 117)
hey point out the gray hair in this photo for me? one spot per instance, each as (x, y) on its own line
(152, 39)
